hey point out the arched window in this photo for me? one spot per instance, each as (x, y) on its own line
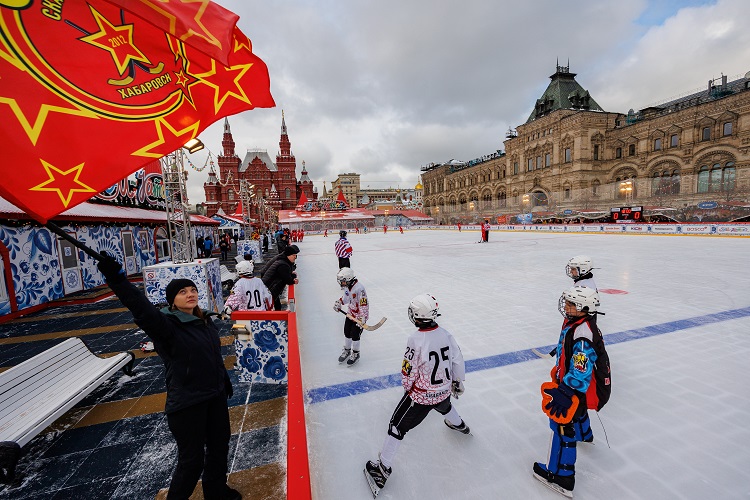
(595, 187)
(538, 198)
(230, 194)
(717, 178)
(287, 193)
(665, 183)
(487, 200)
(501, 201)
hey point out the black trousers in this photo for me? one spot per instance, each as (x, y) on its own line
(352, 330)
(202, 435)
(344, 262)
(409, 414)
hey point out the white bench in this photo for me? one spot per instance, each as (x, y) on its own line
(35, 393)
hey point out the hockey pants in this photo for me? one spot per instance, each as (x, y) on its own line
(562, 453)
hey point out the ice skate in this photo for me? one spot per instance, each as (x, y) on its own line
(344, 355)
(353, 358)
(376, 474)
(463, 428)
(561, 484)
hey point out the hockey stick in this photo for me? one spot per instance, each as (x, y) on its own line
(369, 328)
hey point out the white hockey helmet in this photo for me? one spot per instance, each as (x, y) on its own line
(581, 263)
(423, 309)
(345, 276)
(245, 268)
(585, 299)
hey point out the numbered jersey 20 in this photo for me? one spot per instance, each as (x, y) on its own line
(431, 362)
(250, 294)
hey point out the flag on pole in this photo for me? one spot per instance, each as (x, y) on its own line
(90, 92)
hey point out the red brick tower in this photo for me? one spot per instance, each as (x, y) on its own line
(286, 176)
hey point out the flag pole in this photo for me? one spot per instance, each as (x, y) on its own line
(61, 233)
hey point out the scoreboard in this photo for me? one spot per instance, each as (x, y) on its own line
(626, 214)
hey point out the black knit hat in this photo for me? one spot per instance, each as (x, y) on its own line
(175, 286)
(291, 250)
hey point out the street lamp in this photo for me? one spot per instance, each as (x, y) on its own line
(526, 199)
(626, 189)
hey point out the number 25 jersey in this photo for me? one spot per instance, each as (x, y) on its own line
(431, 362)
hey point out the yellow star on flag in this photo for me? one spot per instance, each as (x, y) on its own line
(65, 179)
(166, 131)
(117, 40)
(217, 79)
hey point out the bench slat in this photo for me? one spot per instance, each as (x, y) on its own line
(33, 394)
(31, 365)
(55, 381)
(43, 375)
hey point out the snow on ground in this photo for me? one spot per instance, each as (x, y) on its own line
(679, 341)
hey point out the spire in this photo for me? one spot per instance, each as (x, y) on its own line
(285, 146)
(227, 130)
(304, 178)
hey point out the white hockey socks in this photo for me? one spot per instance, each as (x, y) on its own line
(390, 447)
(355, 345)
(453, 417)
(347, 343)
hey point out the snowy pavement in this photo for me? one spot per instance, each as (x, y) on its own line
(677, 327)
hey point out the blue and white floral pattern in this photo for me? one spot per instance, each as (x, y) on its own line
(33, 258)
(205, 274)
(263, 358)
(251, 247)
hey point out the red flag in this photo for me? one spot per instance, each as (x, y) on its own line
(90, 93)
(201, 24)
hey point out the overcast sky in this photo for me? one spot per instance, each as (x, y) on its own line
(385, 87)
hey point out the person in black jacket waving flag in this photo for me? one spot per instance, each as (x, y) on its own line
(198, 384)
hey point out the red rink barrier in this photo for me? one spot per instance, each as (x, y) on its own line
(297, 461)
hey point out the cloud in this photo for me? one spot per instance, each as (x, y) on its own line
(383, 88)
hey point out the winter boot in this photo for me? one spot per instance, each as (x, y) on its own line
(353, 358)
(377, 474)
(561, 484)
(344, 354)
(463, 428)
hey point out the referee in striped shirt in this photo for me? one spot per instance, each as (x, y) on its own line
(343, 250)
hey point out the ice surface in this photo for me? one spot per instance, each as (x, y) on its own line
(677, 420)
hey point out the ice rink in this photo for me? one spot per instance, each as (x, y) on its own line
(677, 329)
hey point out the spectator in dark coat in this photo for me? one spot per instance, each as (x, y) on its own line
(280, 273)
(198, 384)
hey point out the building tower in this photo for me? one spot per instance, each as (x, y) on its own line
(286, 179)
(305, 185)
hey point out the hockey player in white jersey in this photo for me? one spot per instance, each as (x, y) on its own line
(249, 293)
(354, 303)
(579, 268)
(432, 370)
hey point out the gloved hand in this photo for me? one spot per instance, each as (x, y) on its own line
(457, 388)
(226, 313)
(337, 305)
(562, 400)
(110, 269)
